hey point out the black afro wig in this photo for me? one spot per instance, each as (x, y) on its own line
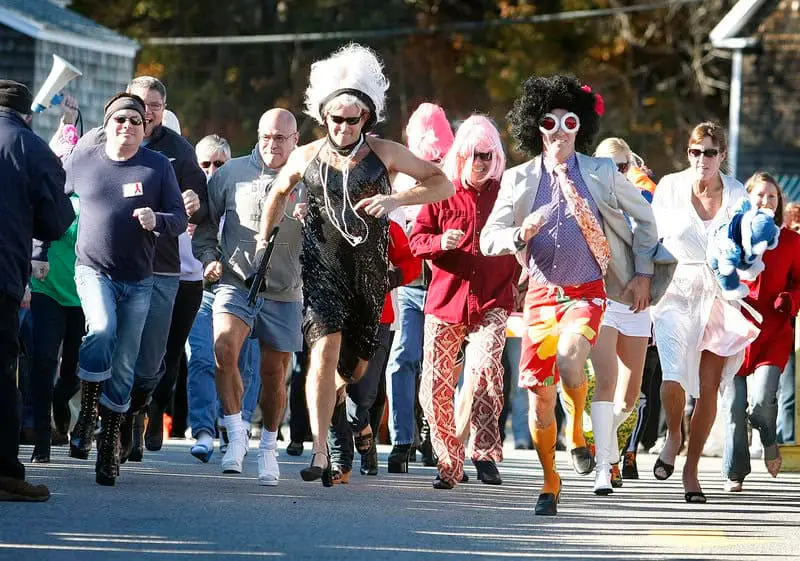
(543, 94)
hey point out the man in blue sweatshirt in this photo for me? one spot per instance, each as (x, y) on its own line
(237, 193)
(167, 264)
(33, 204)
(129, 197)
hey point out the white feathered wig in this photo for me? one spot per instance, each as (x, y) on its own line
(354, 71)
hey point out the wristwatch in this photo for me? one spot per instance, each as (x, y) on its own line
(519, 243)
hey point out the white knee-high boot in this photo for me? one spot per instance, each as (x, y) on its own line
(602, 424)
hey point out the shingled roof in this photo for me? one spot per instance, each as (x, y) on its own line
(47, 21)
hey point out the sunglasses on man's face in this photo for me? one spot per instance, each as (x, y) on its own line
(135, 121)
(708, 152)
(338, 119)
(623, 167)
(217, 164)
(483, 156)
(550, 123)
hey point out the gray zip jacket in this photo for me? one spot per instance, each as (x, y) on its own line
(236, 197)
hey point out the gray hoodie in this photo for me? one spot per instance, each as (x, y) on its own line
(236, 196)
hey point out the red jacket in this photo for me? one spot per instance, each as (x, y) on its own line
(465, 284)
(406, 266)
(781, 275)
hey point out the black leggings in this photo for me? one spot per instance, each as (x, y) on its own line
(54, 326)
(649, 411)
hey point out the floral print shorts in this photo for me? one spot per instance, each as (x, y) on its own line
(549, 312)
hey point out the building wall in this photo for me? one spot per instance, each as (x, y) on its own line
(16, 56)
(103, 75)
(770, 119)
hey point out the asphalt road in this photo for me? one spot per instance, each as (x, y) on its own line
(173, 507)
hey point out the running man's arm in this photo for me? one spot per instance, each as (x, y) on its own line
(432, 185)
(278, 196)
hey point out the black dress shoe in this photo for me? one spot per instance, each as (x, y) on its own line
(429, 458)
(582, 460)
(439, 483)
(295, 448)
(487, 472)
(41, 455)
(547, 504)
(398, 459)
(464, 477)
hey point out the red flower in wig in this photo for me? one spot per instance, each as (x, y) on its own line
(599, 103)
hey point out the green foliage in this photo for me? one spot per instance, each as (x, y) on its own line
(654, 69)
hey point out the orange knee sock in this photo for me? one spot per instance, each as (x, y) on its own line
(575, 399)
(544, 439)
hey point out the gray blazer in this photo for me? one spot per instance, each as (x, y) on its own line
(633, 251)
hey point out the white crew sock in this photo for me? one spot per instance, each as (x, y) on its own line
(234, 424)
(269, 440)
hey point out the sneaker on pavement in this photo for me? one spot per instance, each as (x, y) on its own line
(20, 490)
(268, 470)
(234, 456)
(602, 481)
(732, 486)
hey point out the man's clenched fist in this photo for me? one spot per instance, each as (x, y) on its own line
(146, 217)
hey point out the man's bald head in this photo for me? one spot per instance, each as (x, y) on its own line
(277, 137)
(277, 119)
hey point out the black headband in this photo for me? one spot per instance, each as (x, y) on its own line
(124, 102)
(358, 94)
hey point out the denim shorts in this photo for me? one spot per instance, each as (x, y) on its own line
(276, 324)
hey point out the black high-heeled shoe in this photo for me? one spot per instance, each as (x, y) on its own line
(312, 472)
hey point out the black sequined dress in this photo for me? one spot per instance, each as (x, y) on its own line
(344, 286)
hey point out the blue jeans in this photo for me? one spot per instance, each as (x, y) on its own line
(115, 312)
(405, 364)
(150, 362)
(519, 396)
(201, 388)
(360, 398)
(786, 400)
(250, 369)
(763, 413)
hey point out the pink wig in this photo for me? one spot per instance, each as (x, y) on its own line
(476, 134)
(428, 132)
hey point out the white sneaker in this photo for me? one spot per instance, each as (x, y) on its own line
(268, 470)
(602, 480)
(732, 486)
(234, 456)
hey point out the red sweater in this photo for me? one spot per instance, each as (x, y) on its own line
(404, 261)
(781, 275)
(465, 283)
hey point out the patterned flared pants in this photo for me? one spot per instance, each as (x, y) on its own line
(484, 351)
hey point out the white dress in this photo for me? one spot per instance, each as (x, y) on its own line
(682, 317)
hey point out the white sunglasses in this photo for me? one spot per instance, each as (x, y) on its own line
(550, 124)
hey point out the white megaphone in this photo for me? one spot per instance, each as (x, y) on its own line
(50, 92)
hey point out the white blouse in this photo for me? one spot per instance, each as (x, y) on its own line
(681, 316)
